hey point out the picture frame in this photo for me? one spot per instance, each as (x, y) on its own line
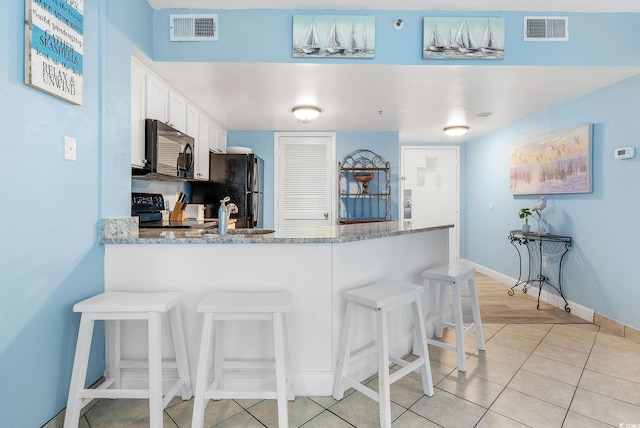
(448, 38)
(53, 48)
(329, 36)
(553, 164)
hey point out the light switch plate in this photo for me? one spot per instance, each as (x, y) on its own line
(69, 148)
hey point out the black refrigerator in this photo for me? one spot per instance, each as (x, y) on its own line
(238, 176)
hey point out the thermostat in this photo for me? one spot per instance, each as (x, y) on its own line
(624, 153)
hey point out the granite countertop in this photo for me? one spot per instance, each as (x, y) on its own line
(125, 231)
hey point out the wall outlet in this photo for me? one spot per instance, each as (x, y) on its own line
(69, 148)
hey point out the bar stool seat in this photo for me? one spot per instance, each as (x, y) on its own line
(452, 276)
(220, 307)
(114, 307)
(381, 298)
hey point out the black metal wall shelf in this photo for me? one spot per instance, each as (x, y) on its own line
(364, 188)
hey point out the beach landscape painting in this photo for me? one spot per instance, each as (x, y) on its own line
(556, 163)
(327, 36)
(463, 38)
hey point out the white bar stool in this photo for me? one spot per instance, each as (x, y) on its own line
(235, 306)
(453, 276)
(114, 307)
(381, 298)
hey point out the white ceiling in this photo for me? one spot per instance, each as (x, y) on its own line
(416, 101)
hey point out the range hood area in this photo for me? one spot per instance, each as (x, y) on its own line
(169, 154)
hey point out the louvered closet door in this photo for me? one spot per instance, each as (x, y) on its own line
(305, 179)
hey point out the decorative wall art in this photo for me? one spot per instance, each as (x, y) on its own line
(556, 163)
(326, 36)
(53, 48)
(463, 38)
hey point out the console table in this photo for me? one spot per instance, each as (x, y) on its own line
(539, 246)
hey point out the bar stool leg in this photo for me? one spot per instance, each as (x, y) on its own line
(475, 308)
(218, 353)
(459, 326)
(199, 402)
(177, 333)
(281, 375)
(443, 303)
(115, 368)
(425, 369)
(384, 386)
(155, 370)
(287, 353)
(80, 363)
(343, 358)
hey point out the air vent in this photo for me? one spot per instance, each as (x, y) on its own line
(546, 28)
(193, 28)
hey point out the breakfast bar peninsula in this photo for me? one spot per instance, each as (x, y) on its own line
(316, 265)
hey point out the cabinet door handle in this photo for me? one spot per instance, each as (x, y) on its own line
(326, 216)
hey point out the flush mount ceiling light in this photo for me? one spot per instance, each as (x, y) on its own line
(456, 131)
(306, 113)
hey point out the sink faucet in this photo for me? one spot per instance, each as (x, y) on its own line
(231, 209)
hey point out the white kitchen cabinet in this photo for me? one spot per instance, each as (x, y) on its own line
(138, 74)
(222, 140)
(199, 130)
(156, 98)
(218, 139)
(177, 111)
(165, 104)
(153, 98)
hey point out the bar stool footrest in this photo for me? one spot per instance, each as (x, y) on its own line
(349, 382)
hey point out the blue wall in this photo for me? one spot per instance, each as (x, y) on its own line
(601, 271)
(50, 255)
(266, 36)
(262, 142)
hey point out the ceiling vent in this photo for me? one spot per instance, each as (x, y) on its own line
(193, 28)
(546, 28)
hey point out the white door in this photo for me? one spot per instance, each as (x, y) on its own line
(305, 179)
(431, 190)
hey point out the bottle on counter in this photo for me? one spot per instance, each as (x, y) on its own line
(222, 217)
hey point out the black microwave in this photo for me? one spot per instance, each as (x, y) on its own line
(169, 153)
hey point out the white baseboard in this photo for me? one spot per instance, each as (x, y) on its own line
(553, 299)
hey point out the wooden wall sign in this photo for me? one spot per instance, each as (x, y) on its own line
(53, 49)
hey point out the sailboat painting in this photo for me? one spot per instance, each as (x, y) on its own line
(326, 36)
(463, 38)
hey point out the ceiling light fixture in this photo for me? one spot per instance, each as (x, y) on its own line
(306, 114)
(456, 131)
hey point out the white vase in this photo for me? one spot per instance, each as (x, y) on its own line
(526, 228)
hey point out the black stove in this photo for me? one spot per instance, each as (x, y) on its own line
(147, 206)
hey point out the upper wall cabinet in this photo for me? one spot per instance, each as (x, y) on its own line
(153, 98)
(157, 99)
(165, 104)
(218, 139)
(178, 112)
(200, 132)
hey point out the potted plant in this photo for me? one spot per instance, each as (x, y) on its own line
(525, 213)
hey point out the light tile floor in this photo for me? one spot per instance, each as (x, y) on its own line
(530, 375)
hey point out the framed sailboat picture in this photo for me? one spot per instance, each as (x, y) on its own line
(326, 36)
(463, 38)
